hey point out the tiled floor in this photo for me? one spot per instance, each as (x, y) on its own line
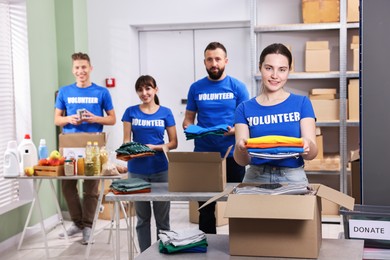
(33, 248)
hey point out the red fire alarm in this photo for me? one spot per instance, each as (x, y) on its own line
(110, 82)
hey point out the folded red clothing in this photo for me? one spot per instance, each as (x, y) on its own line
(116, 192)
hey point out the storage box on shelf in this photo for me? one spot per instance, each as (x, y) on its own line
(353, 100)
(317, 56)
(320, 11)
(355, 52)
(353, 11)
(290, 227)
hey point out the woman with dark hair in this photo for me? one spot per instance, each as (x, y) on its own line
(146, 123)
(275, 112)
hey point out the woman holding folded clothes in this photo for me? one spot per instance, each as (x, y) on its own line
(275, 112)
(146, 123)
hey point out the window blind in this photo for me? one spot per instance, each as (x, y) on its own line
(9, 189)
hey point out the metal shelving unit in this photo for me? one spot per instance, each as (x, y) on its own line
(342, 74)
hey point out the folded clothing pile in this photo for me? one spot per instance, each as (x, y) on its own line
(194, 131)
(274, 189)
(132, 150)
(284, 146)
(183, 241)
(130, 186)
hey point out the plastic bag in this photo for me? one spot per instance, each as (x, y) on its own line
(108, 166)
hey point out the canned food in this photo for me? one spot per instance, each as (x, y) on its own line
(80, 113)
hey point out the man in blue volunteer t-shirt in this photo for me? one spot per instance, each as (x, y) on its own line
(93, 101)
(212, 101)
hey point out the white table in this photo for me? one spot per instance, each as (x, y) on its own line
(218, 248)
(37, 181)
(159, 192)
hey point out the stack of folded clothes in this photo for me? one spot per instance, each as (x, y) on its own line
(183, 241)
(275, 189)
(130, 186)
(194, 131)
(274, 146)
(132, 150)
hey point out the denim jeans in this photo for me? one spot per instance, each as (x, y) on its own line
(272, 174)
(143, 210)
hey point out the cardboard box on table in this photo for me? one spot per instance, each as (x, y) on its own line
(196, 171)
(278, 225)
(76, 142)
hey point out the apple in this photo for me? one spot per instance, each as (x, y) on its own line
(62, 160)
(54, 162)
(29, 171)
(43, 162)
(55, 155)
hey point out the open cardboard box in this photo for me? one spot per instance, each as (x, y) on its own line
(75, 143)
(278, 225)
(196, 171)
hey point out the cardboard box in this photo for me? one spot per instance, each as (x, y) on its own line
(74, 143)
(353, 99)
(196, 171)
(355, 60)
(320, 147)
(355, 176)
(317, 56)
(320, 11)
(353, 11)
(326, 110)
(323, 91)
(278, 225)
(219, 213)
(330, 162)
(323, 96)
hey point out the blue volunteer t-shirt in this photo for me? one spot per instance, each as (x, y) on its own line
(148, 129)
(94, 98)
(215, 103)
(281, 119)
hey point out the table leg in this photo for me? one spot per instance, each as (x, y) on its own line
(36, 188)
(131, 233)
(59, 210)
(117, 230)
(100, 199)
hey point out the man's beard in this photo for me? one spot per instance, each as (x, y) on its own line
(215, 75)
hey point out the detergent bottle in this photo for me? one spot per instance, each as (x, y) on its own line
(28, 153)
(11, 160)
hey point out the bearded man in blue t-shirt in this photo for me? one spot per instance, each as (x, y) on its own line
(212, 101)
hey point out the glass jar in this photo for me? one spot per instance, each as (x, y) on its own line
(80, 165)
(69, 168)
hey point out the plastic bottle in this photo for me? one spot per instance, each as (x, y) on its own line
(88, 164)
(96, 159)
(11, 160)
(28, 153)
(80, 165)
(42, 150)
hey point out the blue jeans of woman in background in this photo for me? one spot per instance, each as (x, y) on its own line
(144, 211)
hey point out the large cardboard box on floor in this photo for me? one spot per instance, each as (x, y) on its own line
(320, 11)
(317, 56)
(74, 143)
(196, 171)
(278, 225)
(219, 213)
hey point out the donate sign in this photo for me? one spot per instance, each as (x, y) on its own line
(370, 229)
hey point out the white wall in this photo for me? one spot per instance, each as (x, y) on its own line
(113, 43)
